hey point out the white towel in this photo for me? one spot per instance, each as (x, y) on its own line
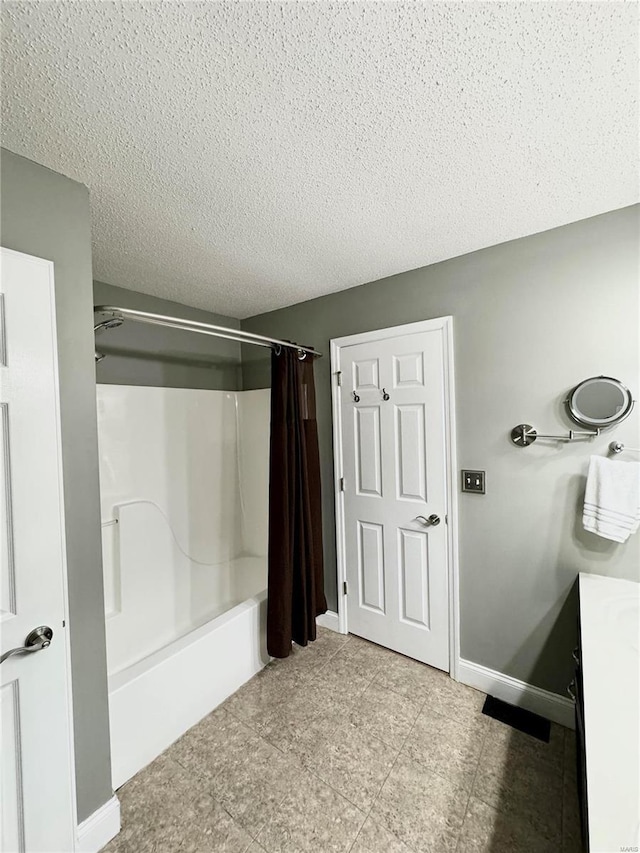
(612, 498)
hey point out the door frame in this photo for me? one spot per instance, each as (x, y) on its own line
(445, 324)
(64, 631)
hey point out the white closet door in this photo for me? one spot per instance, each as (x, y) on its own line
(393, 453)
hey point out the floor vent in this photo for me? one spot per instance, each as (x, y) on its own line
(517, 718)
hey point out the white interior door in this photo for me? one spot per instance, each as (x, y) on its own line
(394, 497)
(37, 810)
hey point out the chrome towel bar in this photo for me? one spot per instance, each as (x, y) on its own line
(619, 447)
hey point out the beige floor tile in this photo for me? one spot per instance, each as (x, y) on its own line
(312, 819)
(362, 648)
(302, 739)
(446, 746)
(321, 631)
(222, 835)
(301, 725)
(206, 828)
(302, 736)
(164, 809)
(572, 844)
(409, 678)
(301, 661)
(354, 763)
(305, 659)
(160, 774)
(486, 830)
(162, 782)
(501, 737)
(263, 693)
(163, 834)
(369, 657)
(455, 700)
(215, 741)
(333, 636)
(570, 756)
(528, 789)
(571, 827)
(385, 714)
(421, 808)
(125, 842)
(374, 838)
(238, 781)
(252, 785)
(344, 677)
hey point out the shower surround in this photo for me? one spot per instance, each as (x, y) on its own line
(184, 496)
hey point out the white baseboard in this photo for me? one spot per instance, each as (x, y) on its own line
(98, 829)
(329, 620)
(556, 708)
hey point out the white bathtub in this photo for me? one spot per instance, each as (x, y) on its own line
(153, 702)
(184, 487)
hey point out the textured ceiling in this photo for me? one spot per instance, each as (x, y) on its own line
(249, 155)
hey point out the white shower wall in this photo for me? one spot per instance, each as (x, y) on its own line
(184, 492)
(254, 422)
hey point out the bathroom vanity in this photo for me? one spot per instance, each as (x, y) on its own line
(607, 694)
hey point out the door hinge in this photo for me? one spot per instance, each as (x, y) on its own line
(342, 484)
(344, 588)
(339, 376)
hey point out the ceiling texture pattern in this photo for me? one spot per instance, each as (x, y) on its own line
(243, 156)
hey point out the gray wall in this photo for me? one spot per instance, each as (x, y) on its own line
(47, 215)
(531, 319)
(153, 355)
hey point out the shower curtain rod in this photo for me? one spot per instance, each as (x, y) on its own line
(118, 315)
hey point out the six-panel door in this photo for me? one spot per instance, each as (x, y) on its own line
(37, 811)
(393, 458)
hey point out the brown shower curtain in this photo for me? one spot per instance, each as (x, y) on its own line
(296, 588)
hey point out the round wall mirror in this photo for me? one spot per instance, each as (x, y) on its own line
(599, 402)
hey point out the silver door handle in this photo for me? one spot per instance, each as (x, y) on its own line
(432, 521)
(39, 638)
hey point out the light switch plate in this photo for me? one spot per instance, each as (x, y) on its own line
(473, 481)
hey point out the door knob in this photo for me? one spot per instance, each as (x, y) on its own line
(432, 521)
(39, 638)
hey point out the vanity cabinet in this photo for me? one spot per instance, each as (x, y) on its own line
(606, 688)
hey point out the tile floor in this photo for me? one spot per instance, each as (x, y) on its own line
(346, 746)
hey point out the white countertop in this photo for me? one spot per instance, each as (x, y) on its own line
(610, 643)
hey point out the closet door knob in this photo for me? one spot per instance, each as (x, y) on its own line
(432, 521)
